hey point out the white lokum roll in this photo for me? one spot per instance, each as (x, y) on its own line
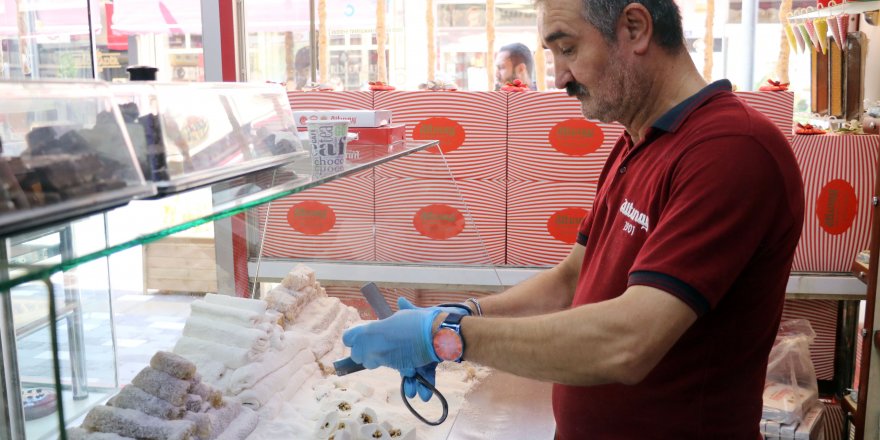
(254, 305)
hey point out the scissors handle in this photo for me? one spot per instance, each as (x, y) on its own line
(428, 385)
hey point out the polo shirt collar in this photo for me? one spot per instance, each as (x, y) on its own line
(672, 119)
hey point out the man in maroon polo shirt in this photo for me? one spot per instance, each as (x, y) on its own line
(659, 322)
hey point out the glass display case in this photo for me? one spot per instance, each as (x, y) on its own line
(190, 135)
(74, 330)
(63, 152)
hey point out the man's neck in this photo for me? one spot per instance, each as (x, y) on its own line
(672, 81)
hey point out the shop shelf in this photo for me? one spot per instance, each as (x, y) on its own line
(860, 270)
(144, 221)
(852, 7)
(487, 278)
(849, 405)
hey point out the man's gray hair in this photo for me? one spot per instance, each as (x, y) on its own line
(603, 15)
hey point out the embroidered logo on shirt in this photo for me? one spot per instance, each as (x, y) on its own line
(640, 218)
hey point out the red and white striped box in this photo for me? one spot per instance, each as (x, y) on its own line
(822, 315)
(838, 173)
(333, 221)
(355, 100)
(351, 296)
(778, 106)
(549, 139)
(543, 219)
(471, 128)
(427, 221)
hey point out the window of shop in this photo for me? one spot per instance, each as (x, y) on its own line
(51, 39)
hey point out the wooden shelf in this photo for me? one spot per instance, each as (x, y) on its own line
(860, 271)
(849, 405)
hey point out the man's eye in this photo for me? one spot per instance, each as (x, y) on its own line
(566, 51)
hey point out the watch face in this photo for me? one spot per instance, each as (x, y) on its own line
(447, 345)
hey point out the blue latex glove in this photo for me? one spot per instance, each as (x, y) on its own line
(402, 341)
(411, 386)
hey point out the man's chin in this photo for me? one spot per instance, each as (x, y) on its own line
(596, 115)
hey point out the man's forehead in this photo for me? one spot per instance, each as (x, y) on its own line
(559, 18)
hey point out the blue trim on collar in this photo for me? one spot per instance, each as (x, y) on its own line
(672, 119)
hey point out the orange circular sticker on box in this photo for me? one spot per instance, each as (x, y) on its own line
(439, 222)
(450, 133)
(837, 206)
(563, 225)
(576, 137)
(311, 217)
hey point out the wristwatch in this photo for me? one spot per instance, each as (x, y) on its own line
(447, 340)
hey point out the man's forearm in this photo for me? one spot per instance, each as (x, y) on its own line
(614, 341)
(549, 291)
(546, 292)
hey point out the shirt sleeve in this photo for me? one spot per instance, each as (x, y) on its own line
(584, 228)
(721, 200)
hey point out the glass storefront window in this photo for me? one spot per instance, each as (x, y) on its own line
(43, 39)
(51, 39)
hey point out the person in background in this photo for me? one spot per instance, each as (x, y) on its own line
(302, 63)
(659, 322)
(514, 61)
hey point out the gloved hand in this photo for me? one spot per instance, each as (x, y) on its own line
(411, 386)
(402, 341)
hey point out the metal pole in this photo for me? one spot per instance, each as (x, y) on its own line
(749, 25)
(313, 43)
(12, 415)
(93, 48)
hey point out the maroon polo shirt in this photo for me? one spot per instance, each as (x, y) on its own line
(708, 208)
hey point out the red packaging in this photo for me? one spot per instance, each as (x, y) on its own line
(385, 135)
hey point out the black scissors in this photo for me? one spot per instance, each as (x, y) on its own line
(383, 310)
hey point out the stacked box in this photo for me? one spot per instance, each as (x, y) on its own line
(333, 221)
(471, 128)
(555, 157)
(352, 100)
(543, 219)
(440, 221)
(778, 106)
(838, 173)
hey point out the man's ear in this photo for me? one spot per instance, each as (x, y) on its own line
(520, 69)
(635, 27)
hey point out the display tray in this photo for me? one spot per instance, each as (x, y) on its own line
(212, 176)
(23, 221)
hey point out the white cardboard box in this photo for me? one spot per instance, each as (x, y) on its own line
(355, 118)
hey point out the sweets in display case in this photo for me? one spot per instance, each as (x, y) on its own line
(188, 135)
(63, 152)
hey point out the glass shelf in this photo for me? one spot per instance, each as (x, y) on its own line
(852, 7)
(144, 221)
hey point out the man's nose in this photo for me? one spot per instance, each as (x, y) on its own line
(563, 75)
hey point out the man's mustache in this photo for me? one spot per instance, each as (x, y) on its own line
(575, 89)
